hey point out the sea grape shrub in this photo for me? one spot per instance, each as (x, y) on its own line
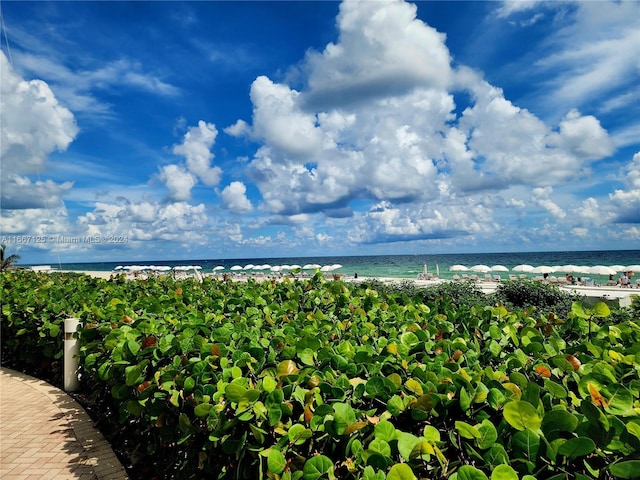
(318, 380)
(546, 298)
(34, 307)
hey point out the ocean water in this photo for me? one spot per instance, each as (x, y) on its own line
(400, 266)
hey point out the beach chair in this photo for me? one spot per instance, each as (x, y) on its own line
(513, 277)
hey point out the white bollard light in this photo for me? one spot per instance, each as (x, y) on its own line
(71, 352)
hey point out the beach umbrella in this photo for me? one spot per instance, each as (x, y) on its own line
(480, 268)
(566, 268)
(617, 268)
(276, 268)
(522, 268)
(236, 267)
(249, 266)
(295, 267)
(163, 268)
(542, 269)
(458, 268)
(601, 270)
(119, 267)
(219, 267)
(325, 268)
(631, 268)
(499, 268)
(311, 266)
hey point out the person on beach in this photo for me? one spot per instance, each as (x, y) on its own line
(623, 281)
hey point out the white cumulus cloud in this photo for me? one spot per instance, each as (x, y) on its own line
(235, 198)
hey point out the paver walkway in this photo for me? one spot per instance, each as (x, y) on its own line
(45, 434)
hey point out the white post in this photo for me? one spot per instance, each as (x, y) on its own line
(71, 351)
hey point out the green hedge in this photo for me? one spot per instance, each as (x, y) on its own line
(318, 380)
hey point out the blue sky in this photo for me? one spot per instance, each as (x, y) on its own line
(178, 130)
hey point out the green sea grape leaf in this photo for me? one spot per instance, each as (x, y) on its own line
(620, 401)
(380, 446)
(133, 374)
(343, 416)
(504, 472)
(385, 430)
(633, 429)
(235, 392)
(559, 420)
(526, 443)
(467, 431)
(401, 471)
(276, 462)
(406, 442)
(372, 474)
(577, 447)
(422, 450)
(269, 383)
(488, 434)
(298, 434)
(202, 410)
(318, 467)
(395, 405)
(522, 415)
(467, 472)
(625, 469)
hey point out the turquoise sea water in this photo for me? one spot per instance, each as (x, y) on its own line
(400, 266)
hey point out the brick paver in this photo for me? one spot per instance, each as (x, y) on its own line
(45, 434)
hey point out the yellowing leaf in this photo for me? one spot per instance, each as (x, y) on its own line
(597, 399)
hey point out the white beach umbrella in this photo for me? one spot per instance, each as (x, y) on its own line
(499, 268)
(163, 268)
(248, 266)
(542, 269)
(458, 268)
(480, 268)
(276, 268)
(566, 268)
(631, 268)
(295, 266)
(601, 270)
(219, 267)
(119, 267)
(618, 268)
(522, 268)
(311, 266)
(325, 268)
(236, 268)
